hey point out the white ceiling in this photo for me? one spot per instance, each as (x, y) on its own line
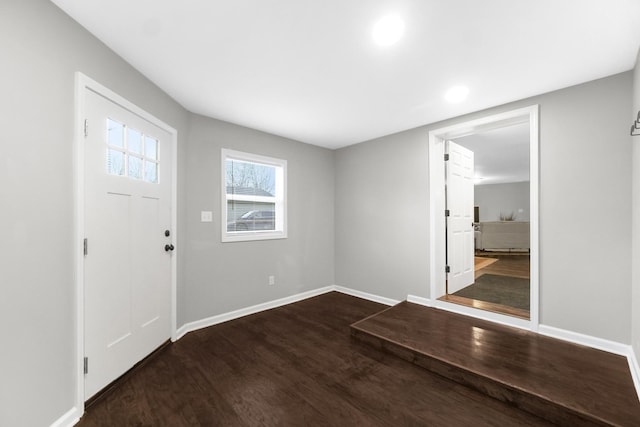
(309, 70)
(500, 155)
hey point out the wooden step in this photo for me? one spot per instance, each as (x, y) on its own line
(562, 382)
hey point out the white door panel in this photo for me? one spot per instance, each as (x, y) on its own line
(127, 270)
(460, 236)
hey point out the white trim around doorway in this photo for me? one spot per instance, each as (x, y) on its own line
(437, 274)
(83, 84)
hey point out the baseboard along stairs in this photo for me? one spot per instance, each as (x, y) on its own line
(562, 382)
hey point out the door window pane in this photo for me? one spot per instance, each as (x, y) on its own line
(151, 148)
(115, 162)
(115, 133)
(134, 141)
(135, 167)
(150, 172)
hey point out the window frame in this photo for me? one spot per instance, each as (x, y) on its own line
(280, 198)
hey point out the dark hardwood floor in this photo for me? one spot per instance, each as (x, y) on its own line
(295, 365)
(566, 383)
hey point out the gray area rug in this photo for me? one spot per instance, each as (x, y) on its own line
(505, 290)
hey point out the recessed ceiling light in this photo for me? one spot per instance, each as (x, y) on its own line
(388, 30)
(456, 94)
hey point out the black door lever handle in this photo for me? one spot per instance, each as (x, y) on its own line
(168, 248)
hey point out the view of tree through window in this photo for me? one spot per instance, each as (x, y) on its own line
(245, 176)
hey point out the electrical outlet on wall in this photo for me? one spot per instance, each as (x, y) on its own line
(272, 280)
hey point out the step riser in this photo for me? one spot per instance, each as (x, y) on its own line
(543, 408)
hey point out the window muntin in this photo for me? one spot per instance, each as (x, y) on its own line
(254, 197)
(131, 153)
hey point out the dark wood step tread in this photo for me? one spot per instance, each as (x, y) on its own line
(532, 371)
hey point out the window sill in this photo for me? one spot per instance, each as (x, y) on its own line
(253, 235)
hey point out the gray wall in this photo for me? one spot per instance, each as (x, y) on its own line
(41, 49)
(222, 277)
(382, 215)
(585, 209)
(635, 262)
(496, 199)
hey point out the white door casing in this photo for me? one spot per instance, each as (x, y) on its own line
(127, 271)
(459, 199)
(437, 241)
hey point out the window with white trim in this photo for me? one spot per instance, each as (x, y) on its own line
(254, 197)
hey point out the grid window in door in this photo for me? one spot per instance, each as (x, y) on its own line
(131, 153)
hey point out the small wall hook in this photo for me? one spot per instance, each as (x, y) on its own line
(635, 127)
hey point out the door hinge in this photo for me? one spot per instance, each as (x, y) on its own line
(447, 269)
(85, 247)
(446, 156)
(447, 212)
(86, 127)
(86, 365)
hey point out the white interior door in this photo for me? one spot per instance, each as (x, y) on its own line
(127, 281)
(460, 236)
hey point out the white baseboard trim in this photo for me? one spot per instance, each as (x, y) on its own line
(599, 344)
(366, 295)
(586, 340)
(420, 300)
(550, 331)
(634, 367)
(70, 418)
(225, 317)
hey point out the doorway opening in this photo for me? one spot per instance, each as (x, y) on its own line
(503, 252)
(497, 209)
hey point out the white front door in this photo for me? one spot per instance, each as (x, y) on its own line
(127, 271)
(460, 236)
